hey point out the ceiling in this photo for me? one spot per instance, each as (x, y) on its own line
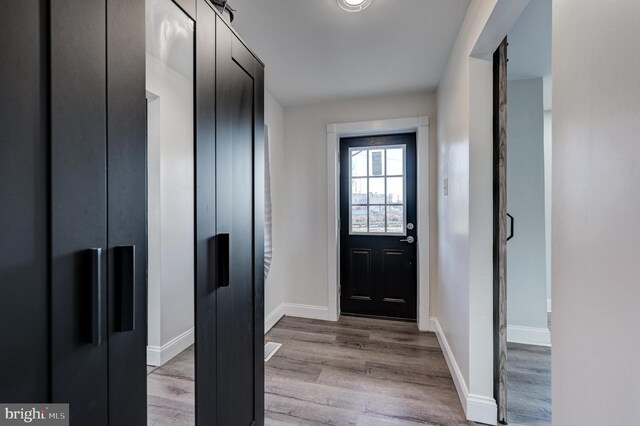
(316, 52)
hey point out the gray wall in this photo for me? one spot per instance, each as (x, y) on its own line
(596, 211)
(526, 252)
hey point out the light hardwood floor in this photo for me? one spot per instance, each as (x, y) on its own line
(528, 385)
(171, 391)
(358, 371)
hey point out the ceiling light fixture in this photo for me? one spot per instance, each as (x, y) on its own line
(354, 5)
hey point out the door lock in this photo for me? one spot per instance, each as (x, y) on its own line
(409, 240)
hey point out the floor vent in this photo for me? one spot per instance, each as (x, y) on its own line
(270, 349)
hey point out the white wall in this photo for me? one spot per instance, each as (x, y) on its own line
(465, 239)
(304, 198)
(274, 286)
(526, 252)
(596, 231)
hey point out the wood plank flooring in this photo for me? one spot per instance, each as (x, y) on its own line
(358, 371)
(528, 385)
(171, 391)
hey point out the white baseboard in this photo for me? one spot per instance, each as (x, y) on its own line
(159, 355)
(528, 335)
(477, 408)
(433, 324)
(548, 305)
(306, 311)
(273, 317)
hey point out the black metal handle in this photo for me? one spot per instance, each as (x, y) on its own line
(125, 281)
(96, 296)
(512, 226)
(222, 263)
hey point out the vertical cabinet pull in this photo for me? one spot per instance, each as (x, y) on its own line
(222, 263)
(96, 296)
(511, 227)
(125, 281)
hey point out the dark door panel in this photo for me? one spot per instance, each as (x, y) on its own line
(234, 216)
(78, 209)
(127, 254)
(239, 198)
(205, 209)
(377, 204)
(24, 210)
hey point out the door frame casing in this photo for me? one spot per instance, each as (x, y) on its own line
(336, 131)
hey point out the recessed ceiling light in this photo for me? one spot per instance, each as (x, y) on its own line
(354, 5)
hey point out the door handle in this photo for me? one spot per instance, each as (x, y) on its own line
(409, 239)
(222, 263)
(512, 226)
(125, 280)
(96, 296)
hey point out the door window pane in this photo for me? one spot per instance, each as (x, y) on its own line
(395, 219)
(358, 219)
(376, 190)
(377, 199)
(376, 162)
(395, 162)
(376, 218)
(359, 191)
(359, 163)
(395, 190)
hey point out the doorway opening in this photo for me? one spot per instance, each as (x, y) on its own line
(378, 264)
(522, 226)
(418, 126)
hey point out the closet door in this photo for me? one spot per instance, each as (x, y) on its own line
(79, 358)
(205, 150)
(239, 227)
(24, 210)
(126, 189)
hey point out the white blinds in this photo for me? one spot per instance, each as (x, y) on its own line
(268, 248)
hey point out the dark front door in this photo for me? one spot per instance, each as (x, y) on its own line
(378, 226)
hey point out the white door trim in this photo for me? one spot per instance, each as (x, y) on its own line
(335, 131)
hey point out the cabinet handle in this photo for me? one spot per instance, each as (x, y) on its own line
(96, 296)
(511, 228)
(222, 264)
(125, 280)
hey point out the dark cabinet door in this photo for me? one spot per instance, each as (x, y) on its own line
(72, 107)
(239, 247)
(205, 201)
(24, 223)
(79, 210)
(126, 230)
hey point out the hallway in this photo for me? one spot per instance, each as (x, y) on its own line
(358, 371)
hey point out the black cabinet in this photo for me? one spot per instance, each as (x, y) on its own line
(229, 226)
(73, 192)
(73, 244)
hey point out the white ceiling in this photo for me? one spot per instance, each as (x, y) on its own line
(316, 52)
